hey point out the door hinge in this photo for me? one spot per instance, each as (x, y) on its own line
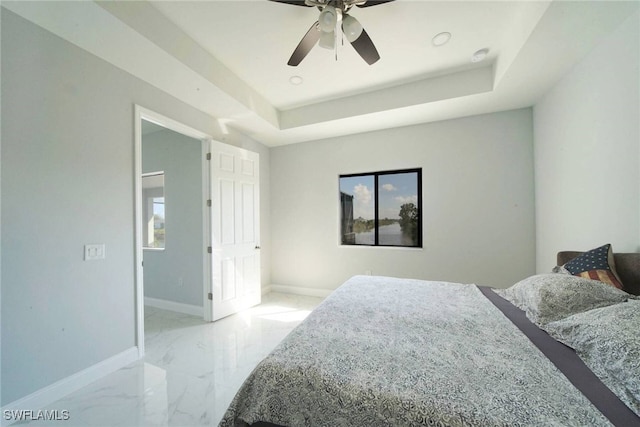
(209, 203)
(208, 156)
(209, 249)
(210, 296)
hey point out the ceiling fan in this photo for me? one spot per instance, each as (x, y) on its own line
(334, 17)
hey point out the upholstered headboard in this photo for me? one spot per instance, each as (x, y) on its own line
(627, 266)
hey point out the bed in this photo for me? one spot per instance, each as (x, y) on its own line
(553, 349)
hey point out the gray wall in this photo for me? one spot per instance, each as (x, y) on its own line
(176, 273)
(67, 180)
(587, 152)
(478, 203)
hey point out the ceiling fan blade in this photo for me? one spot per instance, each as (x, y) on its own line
(306, 44)
(292, 2)
(365, 48)
(372, 3)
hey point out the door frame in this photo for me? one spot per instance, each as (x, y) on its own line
(142, 113)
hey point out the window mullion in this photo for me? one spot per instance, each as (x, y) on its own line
(376, 215)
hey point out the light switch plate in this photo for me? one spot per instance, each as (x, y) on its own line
(94, 251)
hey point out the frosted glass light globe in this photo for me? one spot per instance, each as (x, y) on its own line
(352, 28)
(328, 19)
(327, 40)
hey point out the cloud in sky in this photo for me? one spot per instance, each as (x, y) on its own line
(362, 194)
(363, 202)
(389, 187)
(407, 199)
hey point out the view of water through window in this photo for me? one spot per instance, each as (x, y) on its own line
(393, 196)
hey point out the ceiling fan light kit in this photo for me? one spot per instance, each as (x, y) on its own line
(333, 18)
(352, 28)
(327, 40)
(328, 19)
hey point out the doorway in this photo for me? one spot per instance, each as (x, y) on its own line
(172, 218)
(229, 217)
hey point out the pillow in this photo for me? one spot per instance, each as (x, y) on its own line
(560, 270)
(596, 264)
(607, 340)
(549, 297)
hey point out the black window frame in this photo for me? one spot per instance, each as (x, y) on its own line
(376, 176)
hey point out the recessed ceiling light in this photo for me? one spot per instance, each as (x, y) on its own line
(296, 80)
(480, 55)
(441, 38)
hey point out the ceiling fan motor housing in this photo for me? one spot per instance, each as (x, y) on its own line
(343, 5)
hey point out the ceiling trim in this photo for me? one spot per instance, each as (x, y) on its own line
(449, 86)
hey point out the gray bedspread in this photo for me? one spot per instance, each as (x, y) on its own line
(383, 351)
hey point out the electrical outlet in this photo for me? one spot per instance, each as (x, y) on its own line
(94, 251)
(368, 272)
(180, 282)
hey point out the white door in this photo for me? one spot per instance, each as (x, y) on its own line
(235, 229)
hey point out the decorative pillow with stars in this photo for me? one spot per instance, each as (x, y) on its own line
(596, 264)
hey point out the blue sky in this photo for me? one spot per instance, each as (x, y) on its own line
(158, 208)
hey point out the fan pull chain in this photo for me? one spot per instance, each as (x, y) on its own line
(335, 34)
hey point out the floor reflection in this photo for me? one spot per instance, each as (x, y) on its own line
(191, 370)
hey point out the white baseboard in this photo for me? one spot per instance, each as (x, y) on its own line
(56, 391)
(179, 307)
(297, 290)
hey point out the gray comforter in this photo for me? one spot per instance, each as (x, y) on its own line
(383, 351)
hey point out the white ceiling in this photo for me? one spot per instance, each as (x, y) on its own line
(228, 58)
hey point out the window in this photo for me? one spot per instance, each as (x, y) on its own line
(153, 210)
(381, 208)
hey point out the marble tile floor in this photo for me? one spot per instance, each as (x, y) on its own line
(191, 369)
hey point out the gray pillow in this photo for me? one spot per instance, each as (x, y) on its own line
(549, 297)
(608, 341)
